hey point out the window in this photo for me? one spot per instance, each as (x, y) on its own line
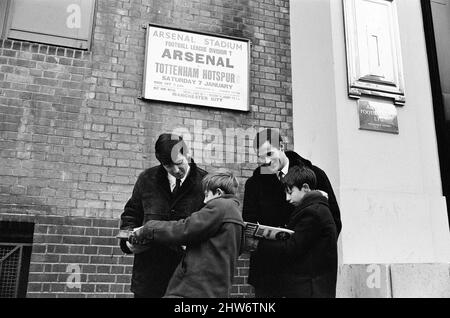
(62, 22)
(15, 252)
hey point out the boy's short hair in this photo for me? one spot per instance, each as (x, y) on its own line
(297, 176)
(167, 148)
(222, 179)
(271, 135)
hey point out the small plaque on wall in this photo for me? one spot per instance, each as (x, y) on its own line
(377, 117)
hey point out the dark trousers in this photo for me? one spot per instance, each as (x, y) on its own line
(153, 294)
(301, 291)
(269, 293)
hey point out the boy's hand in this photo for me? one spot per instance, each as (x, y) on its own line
(323, 193)
(250, 244)
(137, 237)
(136, 241)
(136, 249)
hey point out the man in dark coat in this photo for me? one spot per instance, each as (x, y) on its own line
(169, 192)
(265, 200)
(307, 261)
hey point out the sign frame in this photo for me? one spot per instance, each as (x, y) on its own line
(243, 104)
(371, 74)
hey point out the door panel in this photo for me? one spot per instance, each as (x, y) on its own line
(441, 22)
(436, 18)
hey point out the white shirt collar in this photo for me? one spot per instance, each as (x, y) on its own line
(285, 169)
(173, 180)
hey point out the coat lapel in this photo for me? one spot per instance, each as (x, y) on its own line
(163, 183)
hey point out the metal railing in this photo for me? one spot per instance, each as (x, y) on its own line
(11, 255)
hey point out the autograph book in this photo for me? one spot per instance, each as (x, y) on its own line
(267, 232)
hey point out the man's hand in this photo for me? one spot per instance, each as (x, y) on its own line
(250, 244)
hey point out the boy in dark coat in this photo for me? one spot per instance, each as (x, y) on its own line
(213, 237)
(308, 259)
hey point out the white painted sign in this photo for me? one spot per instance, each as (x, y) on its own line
(198, 69)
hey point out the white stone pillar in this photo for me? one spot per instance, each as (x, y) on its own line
(388, 186)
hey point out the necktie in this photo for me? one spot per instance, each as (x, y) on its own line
(177, 187)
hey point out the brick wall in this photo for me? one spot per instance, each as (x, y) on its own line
(74, 135)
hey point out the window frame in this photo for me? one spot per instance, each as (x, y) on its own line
(360, 83)
(7, 33)
(23, 266)
(18, 235)
(4, 9)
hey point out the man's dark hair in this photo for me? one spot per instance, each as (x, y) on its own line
(167, 148)
(270, 135)
(297, 176)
